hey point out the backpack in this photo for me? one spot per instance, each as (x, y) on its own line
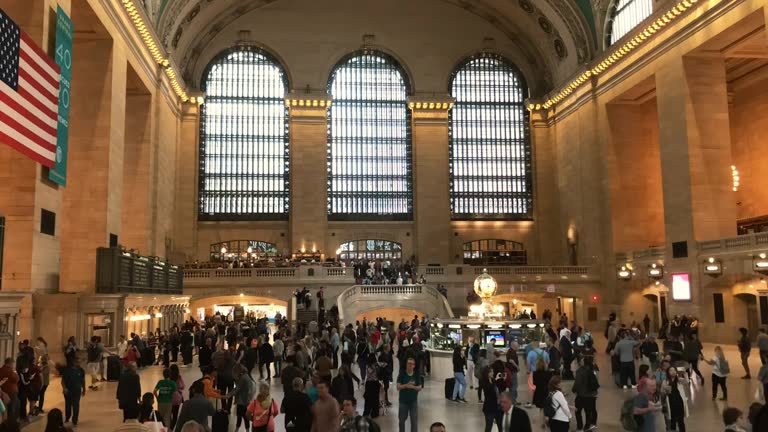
(372, 425)
(725, 368)
(93, 353)
(549, 409)
(628, 420)
(592, 383)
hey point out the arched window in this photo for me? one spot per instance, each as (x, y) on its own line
(370, 249)
(243, 250)
(490, 152)
(626, 15)
(494, 252)
(369, 140)
(244, 138)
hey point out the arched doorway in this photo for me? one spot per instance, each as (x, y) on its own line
(394, 315)
(746, 313)
(657, 312)
(237, 306)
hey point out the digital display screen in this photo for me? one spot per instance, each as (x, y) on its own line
(681, 286)
(498, 336)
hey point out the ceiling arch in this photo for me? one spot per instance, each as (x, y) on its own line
(553, 36)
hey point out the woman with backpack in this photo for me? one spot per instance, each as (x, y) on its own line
(673, 391)
(720, 372)
(263, 410)
(481, 368)
(556, 408)
(541, 379)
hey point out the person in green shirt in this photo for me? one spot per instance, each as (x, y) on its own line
(409, 383)
(164, 391)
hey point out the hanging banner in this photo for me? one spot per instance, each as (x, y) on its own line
(64, 30)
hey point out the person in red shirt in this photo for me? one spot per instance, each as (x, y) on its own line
(131, 355)
(9, 384)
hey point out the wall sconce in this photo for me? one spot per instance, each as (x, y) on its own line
(624, 273)
(713, 267)
(655, 271)
(760, 263)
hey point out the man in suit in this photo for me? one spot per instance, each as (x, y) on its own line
(513, 419)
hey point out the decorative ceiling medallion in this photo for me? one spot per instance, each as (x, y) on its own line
(560, 48)
(576, 28)
(545, 25)
(527, 6)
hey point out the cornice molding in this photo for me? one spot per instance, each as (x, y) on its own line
(619, 75)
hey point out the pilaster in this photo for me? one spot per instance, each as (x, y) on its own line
(309, 170)
(432, 205)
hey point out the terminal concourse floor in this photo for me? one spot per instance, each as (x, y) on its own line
(99, 412)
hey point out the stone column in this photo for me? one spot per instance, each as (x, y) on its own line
(92, 199)
(185, 225)
(695, 152)
(546, 204)
(309, 171)
(431, 199)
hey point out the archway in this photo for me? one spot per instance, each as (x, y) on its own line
(237, 306)
(656, 316)
(394, 315)
(746, 313)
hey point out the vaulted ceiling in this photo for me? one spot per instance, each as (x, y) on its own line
(555, 36)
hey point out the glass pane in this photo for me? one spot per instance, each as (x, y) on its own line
(628, 14)
(490, 156)
(244, 139)
(369, 145)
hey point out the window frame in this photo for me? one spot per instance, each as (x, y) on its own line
(286, 193)
(527, 146)
(615, 11)
(408, 216)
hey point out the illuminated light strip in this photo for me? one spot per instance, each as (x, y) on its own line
(309, 103)
(430, 105)
(156, 52)
(639, 39)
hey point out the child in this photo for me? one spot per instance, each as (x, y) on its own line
(720, 371)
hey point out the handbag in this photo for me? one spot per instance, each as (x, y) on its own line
(154, 425)
(264, 428)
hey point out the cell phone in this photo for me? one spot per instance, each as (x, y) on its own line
(680, 369)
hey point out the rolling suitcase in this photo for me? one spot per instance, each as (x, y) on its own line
(113, 368)
(220, 422)
(449, 383)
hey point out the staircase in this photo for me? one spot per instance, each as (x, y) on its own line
(305, 316)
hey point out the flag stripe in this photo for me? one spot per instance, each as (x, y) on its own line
(44, 141)
(27, 63)
(26, 151)
(28, 104)
(15, 136)
(39, 55)
(29, 84)
(37, 109)
(16, 113)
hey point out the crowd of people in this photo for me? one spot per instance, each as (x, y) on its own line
(320, 365)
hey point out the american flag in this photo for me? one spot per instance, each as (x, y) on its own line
(29, 95)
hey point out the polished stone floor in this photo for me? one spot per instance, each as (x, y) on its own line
(99, 412)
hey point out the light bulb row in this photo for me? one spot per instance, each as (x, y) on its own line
(639, 39)
(156, 52)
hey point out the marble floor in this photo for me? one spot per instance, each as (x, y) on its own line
(99, 412)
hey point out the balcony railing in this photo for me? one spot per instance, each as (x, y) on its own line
(393, 293)
(738, 243)
(650, 254)
(433, 274)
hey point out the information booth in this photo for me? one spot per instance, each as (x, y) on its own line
(446, 334)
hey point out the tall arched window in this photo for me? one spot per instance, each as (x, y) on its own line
(626, 15)
(244, 138)
(369, 140)
(490, 152)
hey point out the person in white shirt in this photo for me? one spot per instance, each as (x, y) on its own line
(562, 418)
(122, 347)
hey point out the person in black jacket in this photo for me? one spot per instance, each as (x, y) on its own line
(491, 408)
(512, 418)
(266, 357)
(460, 385)
(297, 408)
(129, 390)
(745, 346)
